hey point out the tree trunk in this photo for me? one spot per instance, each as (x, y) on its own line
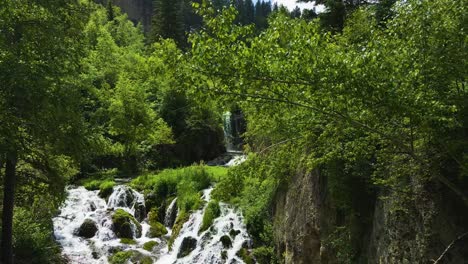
(8, 204)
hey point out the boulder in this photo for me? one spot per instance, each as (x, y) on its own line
(123, 223)
(226, 241)
(187, 246)
(87, 229)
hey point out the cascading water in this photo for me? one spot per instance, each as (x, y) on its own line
(83, 205)
(209, 247)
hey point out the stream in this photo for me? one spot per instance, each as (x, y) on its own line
(82, 204)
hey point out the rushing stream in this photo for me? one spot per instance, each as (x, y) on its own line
(82, 205)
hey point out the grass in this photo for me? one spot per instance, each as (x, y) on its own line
(185, 183)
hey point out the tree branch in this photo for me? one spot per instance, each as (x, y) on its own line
(459, 238)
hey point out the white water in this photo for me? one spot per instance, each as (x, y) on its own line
(82, 204)
(236, 160)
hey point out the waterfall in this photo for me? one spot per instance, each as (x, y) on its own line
(209, 247)
(171, 213)
(228, 134)
(82, 205)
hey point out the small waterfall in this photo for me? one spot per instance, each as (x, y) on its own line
(228, 134)
(209, 246)
(82, 205)
(171, 214)
(236, 160)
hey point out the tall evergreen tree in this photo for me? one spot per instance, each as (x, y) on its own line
(40, 104)
(110, 11)
(168, 21)
(249, 10)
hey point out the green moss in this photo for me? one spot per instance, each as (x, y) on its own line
(122, 224)
(121, 257)
(181, 219)
(128, 241)
(211, 213)
(156, 228)
(146, 260)
(150, 245)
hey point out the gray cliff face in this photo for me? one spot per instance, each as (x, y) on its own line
(305, 218)
(138, 11)
(299, 214)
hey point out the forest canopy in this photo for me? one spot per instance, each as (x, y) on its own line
(372, 95)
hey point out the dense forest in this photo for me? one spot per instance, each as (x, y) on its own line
(350, 132)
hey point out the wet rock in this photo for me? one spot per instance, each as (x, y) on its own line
(92, 206)
(187, 246)
(224, 255)
(226, 241)
(87, 229)
(123, 224)
(140, 211)
(233, 233)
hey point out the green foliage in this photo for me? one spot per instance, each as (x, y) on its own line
(32, 238)
(264, 255)
(245, 256)
(373, 105)
(212, 211)
(185, 183)
(106, 188)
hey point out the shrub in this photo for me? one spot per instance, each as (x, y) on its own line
(32, 239)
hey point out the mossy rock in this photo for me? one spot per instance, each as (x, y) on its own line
(122, 224)
(224, 255)
(87, 229)
(128, 241)
(156, 228)
(226, 241)
(132, 256)
(233, 233)
(187, 246)
(181, 219)
(148, 246)
(121, 257)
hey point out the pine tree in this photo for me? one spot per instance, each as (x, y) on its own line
(110, 11)
(168, 21)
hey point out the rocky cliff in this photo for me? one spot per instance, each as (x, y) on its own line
(310, 229)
